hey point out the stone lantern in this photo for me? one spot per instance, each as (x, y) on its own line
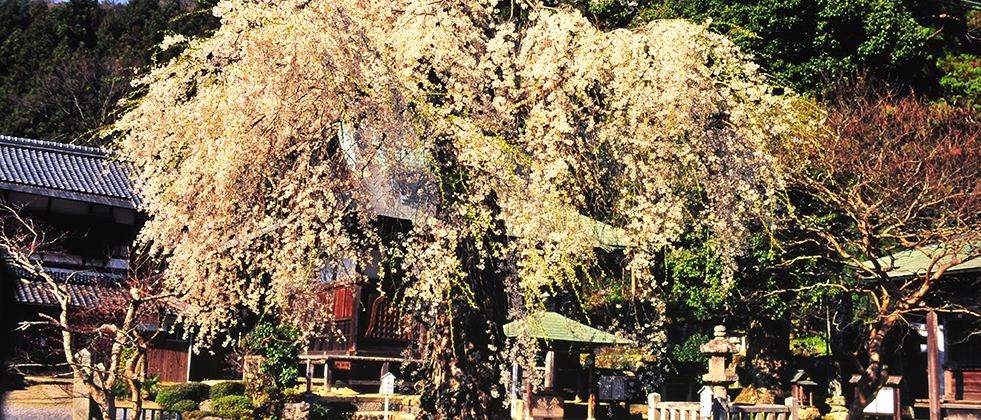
(720, 372)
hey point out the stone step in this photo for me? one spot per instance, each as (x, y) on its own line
(380, 415)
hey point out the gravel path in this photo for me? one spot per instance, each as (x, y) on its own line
(37, 412)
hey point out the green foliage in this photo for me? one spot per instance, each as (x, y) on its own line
(233, 406)
(332, 411)
(151, 386)
(801, 43)
(691, 350)
(194, 391)
(809, 346)
(697, 287)
(197, 414)
(223, 389)
(962, 78)
(185, 406)
(277, 344)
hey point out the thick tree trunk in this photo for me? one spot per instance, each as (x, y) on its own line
(874, 375)
(768, 350)
(465, 362)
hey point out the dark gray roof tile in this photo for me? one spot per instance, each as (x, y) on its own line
(66, 171)
(87, 288)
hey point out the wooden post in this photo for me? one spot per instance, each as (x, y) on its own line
(355, 314)
(933, 366)
(794, 407)
(897, 406)
(309, 376)
(328, 375)
(527, 403)
(591, 410)
(653, 399)
(550, 370)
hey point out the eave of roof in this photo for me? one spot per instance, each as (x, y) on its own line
(552, 326)
(66, 171)
(913, 262)
(87, 289)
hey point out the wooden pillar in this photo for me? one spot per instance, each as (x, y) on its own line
(794, 407)
(309, 377)
(933, 366)
(591, 410)
(897, 406)
(328, 375)
(527, 404)
(355, 314)
(653, 399)
(550, 370)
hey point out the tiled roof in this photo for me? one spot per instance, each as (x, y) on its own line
(64, 171)
(86, 288)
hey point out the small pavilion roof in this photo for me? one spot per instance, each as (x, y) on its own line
(552, 326)
(913, 262)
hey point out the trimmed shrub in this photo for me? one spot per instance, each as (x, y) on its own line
(197, 414)
(224, 389)
(194, 391)
(231, 403)
(332, 411)
(185, 406)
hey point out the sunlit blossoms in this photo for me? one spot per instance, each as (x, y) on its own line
(271, 148)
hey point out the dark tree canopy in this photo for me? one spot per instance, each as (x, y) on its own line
(65, 66)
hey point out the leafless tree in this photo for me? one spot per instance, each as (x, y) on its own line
(113, 326)
(887, 173)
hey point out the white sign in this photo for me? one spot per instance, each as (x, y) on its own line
(388, 384)
(884, 402)
(705, 402)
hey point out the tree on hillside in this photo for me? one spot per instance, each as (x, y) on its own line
(503, 131)
(887, 173)
(106, 331)
(64, 66)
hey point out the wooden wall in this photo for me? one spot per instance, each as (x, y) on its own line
(169, 359)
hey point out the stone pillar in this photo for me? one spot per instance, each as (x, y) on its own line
(82, 405)
(720, 374)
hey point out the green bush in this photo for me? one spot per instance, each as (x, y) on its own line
(277, 344)
(194, 391)
(332, 411)
(224, 389)
(185, 406)
(197, 414)
(231, 403)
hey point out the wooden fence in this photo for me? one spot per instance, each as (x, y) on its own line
(126, 413)
(721, 410)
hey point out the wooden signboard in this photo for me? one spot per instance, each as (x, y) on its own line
(342, 364)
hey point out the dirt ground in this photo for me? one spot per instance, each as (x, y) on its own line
(44, 390)
(40, 390)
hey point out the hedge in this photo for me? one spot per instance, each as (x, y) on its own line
(224, 389)
(194, 391)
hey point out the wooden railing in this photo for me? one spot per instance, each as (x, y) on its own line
(126, 413)
(721, 410)
(674, 410)
(787, 411)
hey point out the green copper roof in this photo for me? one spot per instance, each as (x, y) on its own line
(915, 262)
(554, 327)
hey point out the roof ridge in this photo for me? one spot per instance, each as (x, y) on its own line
(50, 146)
